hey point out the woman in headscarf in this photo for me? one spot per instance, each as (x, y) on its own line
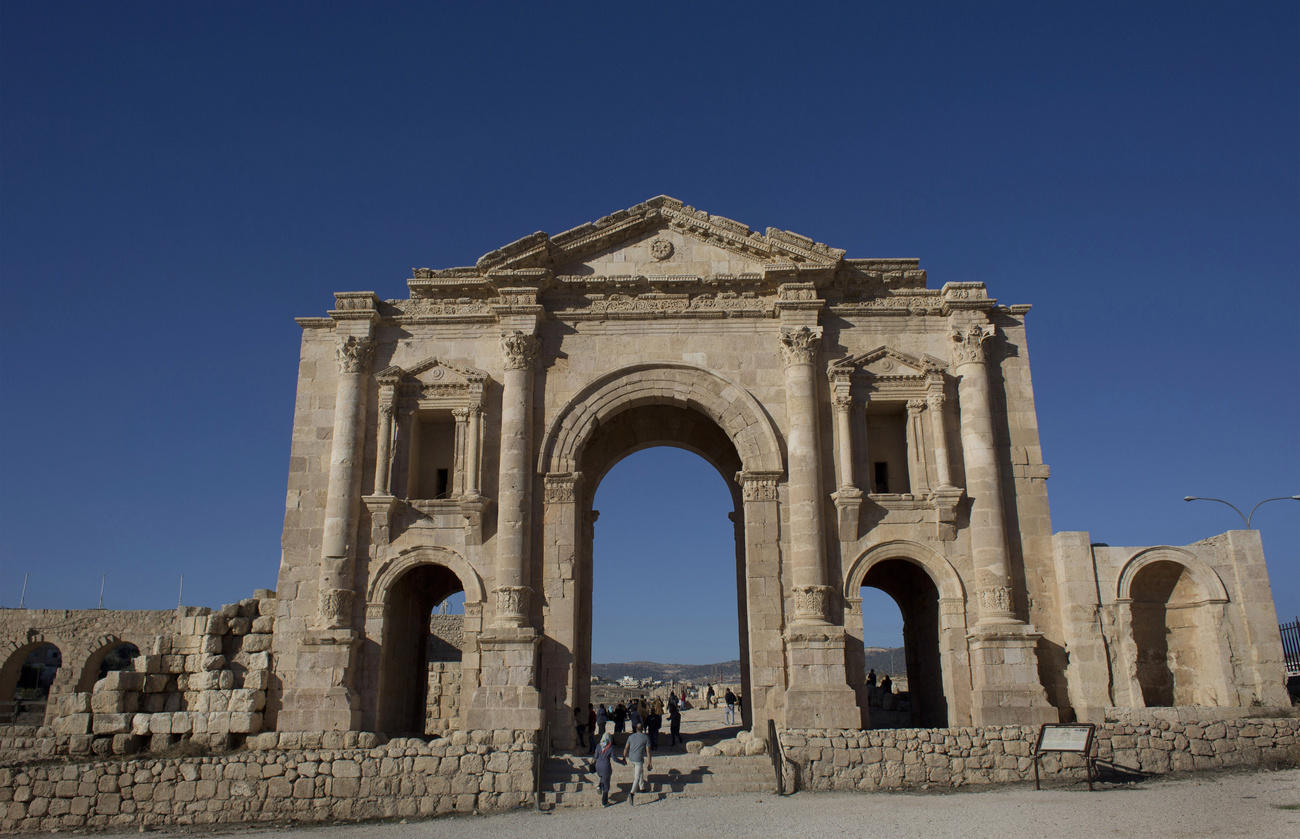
(604, 766)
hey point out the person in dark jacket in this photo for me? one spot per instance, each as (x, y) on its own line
(603, 765)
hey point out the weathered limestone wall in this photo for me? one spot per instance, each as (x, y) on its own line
(1221, 627)
(901, 758)
(405, 777)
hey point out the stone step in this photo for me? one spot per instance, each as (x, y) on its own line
(566, 780)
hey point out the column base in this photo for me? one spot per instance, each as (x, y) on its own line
(1004, 670)
(507, 696)
(320, 696)
(819, 695)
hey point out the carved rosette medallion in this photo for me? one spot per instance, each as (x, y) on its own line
(799, 346)
(968, 346)
(336, 607)
(512, 602)
(519, 350)
(661, 249)
(811, 601)
(560, 487)
(995, 599)
(758, 486)
(354, 354)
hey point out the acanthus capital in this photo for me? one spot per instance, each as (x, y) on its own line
(354, 354)
(968, 343)
(519, 349)
(799, 346)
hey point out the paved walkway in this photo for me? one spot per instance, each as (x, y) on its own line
(1223, 805)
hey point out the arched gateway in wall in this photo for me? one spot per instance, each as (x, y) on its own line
(874, 431)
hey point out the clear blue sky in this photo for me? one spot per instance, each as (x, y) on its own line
(179, 180)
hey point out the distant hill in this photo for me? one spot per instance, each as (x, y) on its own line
(881, 659)
(722, 671)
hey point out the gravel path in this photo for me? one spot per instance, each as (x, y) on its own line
(1219, 805)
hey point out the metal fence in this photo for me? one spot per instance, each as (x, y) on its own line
(1291, 646)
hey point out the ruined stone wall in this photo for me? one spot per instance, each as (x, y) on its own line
(310, 778)
(902, 758)
(203, 678)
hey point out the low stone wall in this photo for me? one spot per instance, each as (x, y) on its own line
(898, 758)
(481, 771)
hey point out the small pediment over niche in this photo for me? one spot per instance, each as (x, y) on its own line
(886, 362)
(434, 378)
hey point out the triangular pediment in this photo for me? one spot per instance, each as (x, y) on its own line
(434, 372)
(887, 362)
(661, 236)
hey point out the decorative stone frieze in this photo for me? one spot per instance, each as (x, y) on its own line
(758, 486)
(812, 601)
(512, 601)
(560, 488)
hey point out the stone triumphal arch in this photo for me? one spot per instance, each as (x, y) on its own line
(873, 432)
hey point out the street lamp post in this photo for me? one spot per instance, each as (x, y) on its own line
(1244, 517)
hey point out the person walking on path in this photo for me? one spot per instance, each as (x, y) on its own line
(634, 715)
(620, 717)
(708, 697)
(602, 719)
(674, 724)
(603, 765)
(730, 717)
(637, 750)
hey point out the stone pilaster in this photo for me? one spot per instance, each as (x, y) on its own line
(848, 498)
(1003, 648)
(819, 695)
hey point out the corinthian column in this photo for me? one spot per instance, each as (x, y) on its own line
(798, 351)
(514, 479)
(349, 405)
(384, 436)
(935, 403)
(983, 484)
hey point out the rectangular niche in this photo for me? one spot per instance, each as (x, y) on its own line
(887, 450)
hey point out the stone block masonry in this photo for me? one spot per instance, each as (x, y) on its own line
(908, 758)
(301, 777)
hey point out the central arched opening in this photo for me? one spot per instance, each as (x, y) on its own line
(666, 599)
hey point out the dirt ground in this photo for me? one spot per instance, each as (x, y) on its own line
(1255, 803)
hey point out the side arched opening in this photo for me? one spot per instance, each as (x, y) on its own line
(25, 680)
(1166, 633)
(923, 703)
(115, 654)
(420, 669)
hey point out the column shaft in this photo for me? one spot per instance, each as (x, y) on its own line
(472, 451)
(799, 348)
(349, 406)
(514, 479)
(983, 484)
(844, 431)
(383, 449)
(940, 434)
(918, 483)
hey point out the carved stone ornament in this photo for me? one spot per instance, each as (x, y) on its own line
(661, 249)
(758, 487)
(520, 350)
(799, 346)
(915, 406)
(512, 601)
(995, 599)
(559, 488)
(935, 401)
(354, 354)
(968, 346)
(811, 601)
(843, 401)
(336, 606)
